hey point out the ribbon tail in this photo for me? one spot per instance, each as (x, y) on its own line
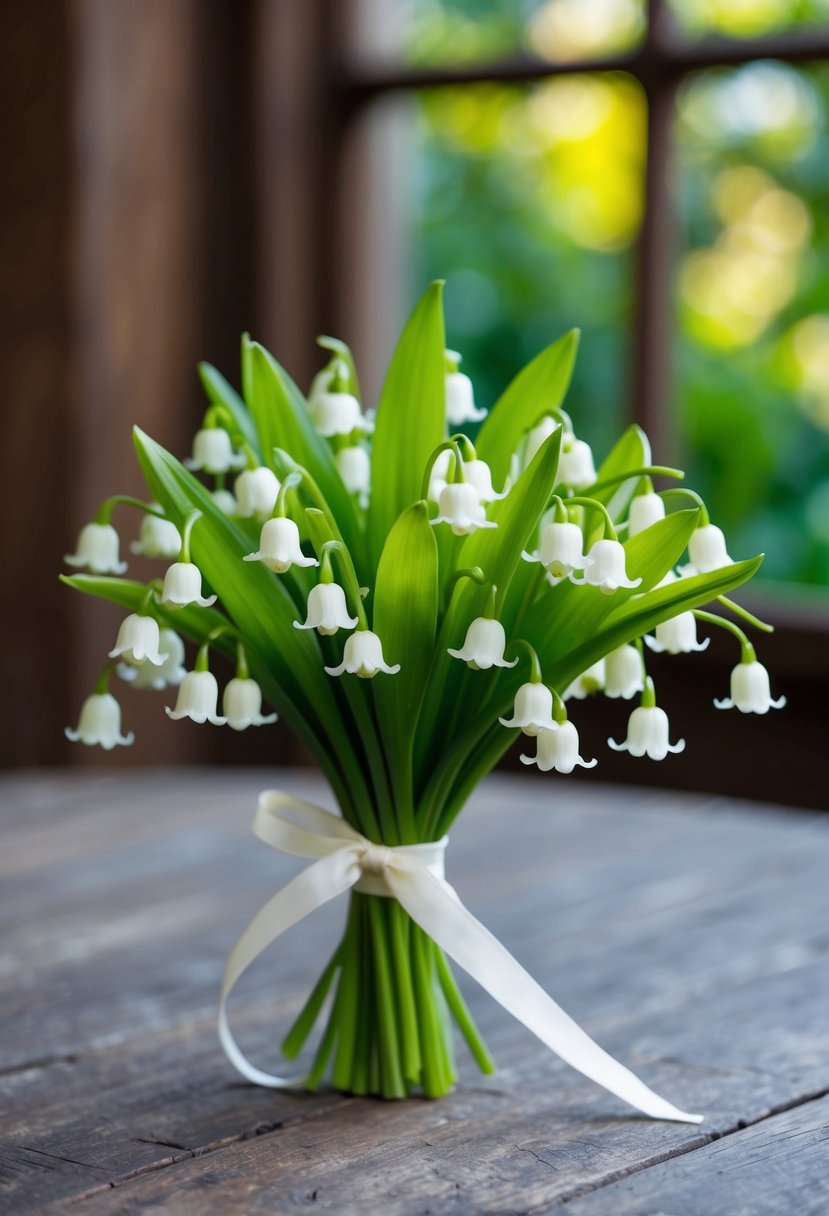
(324, 880)
(432, 905)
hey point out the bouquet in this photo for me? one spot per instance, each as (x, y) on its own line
(412, 592)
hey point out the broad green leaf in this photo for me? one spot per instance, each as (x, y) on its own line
(538, 388)
(220, 392)
(410, 418)
(405, 618)
(282, 421)
(258, 604)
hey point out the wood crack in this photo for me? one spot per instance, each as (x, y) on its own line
(702, 1141)
(203, 1150)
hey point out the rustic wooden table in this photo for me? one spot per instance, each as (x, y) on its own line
(688, 935)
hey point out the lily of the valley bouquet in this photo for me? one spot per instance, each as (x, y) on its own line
(411, 602)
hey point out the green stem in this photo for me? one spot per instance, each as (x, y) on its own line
(189, 523)
(747, 616)
(683, 492)
(400, 925)
(746, 649)
(391, 1073)
(294, 1040)
(460, 1012)
(583, 501)
(104, 512)
(651, 470)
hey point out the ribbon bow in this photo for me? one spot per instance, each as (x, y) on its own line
(413, 875)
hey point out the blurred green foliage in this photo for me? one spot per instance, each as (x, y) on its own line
(528, 200)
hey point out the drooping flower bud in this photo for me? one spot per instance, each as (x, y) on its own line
(213, 452)
(707, 551)
(256, 491)
(100, 723)
(587, 684)
(337, 414)
(623, 672)
(279, 546)
(560, 552)
(225, 501)
(242, 704)
(198, 698)
(439, 474)
(575, 465)
(559, 750)
(648, 730)
(157, 538)
(138, 641)
(327, 611)
(542, 431)
(97, 550)
(182, 586)
(645, 510)
(533, 709)
(750, 690)
(484, 645)
(461, 508)
(478, 474)
(460, 397)
(354, 466)
(170, 673)
(363, 656)
(607, 567)
(677, 635)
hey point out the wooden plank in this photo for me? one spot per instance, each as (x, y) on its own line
(129, 895)
(777, 1166)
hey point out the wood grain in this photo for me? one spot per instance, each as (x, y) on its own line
(687, 936)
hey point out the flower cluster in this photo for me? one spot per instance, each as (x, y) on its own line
(600, 585)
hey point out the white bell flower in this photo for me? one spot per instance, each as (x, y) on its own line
(100, 723)
(138, 641)
(677, 636)
(648, 734)
(157, 538)
(460, 400)
(354, 467)
(607, 567)
(623, 672)
(461, 508)
(706, 550)
(560, 552)
(363, 656)
(559, 750)
(242, 704)
(182, 586)
(484, 645)
(97, 550)
(170, 673)
(533, 710)
(337, 414)
(225, 501)
(279, 546)
(645, 510)
(327, 610)
(538, 435)
(750, 690)
(588, 683)
(256, 491)
(439, 474)
(198, 698)
(575, 465)
(479, 475)
(213, 452)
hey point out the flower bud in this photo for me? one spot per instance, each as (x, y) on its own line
(533, 710)
(198, 697)
(461, 508)
(623, 672)
(363, 656)
(170, 673)
(707, 551)
(677, 635)
(182, 586)
(750, 690)
(213, 452)
(256, 491)
(484, 645)
(588, 683)
(607, 567)
(648, 734)
(100, 723)
(354, 466)
(97, 550)
(242, 704)
(337, 414)
(327, 610)
(645, 510)
(138, 641)
(560, 552)
(559, 750)
(575, 465)
(460, 400)
(157, 538)
(279, 547)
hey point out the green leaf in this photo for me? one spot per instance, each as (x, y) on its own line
(405, 618)
(282, 421)
(537, 389)
(220, 392)
(410, 418)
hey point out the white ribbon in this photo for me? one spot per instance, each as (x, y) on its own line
(413, 875)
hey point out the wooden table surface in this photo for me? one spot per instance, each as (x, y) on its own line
(689, 936)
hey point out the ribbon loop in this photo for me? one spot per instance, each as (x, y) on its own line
(413, 875)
